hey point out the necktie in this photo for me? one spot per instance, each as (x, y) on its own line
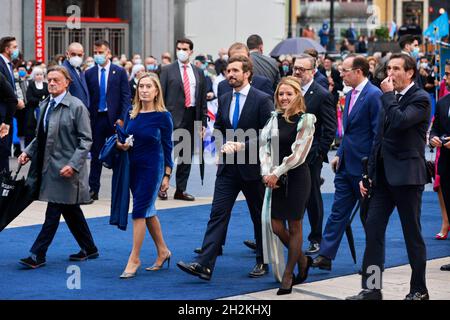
(13, 81)
(51, 107)
(398, 96)
(187, 88)
(236, 111)
(102, 102)
(352, 100)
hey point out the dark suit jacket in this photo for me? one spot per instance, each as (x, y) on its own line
(117, 93)
(441, 127)
(401, 138)
(8, 101)
(5, 107)
(359, 129)
(338, 85)
(78, 88)
(4, 69)
(174, 97)
(258, 82)
(320, 102)
(255, 114)
(322, 80)
(266, 67)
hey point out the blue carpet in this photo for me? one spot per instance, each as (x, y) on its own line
(183, 231)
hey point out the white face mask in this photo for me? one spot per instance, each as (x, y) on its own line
(225, 57)
(183, 56)
(137, 61)
(76, 61)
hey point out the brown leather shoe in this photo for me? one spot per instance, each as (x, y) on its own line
(163, 195)
(183, 196)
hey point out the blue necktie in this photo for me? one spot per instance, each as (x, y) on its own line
(13, 82)
(51, 107)
(236, 112)
(102, 103)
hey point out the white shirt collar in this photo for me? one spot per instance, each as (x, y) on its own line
(107, 67)
(244, 91)
(306, 88)
(362, 85)
(180, 64)
(404, 91)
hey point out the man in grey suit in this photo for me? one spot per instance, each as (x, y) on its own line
(58, 173)
(263, 65)
(184, 90)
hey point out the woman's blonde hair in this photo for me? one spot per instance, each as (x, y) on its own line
(297, 106)
(159, 100)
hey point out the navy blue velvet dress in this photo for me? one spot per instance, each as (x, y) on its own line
(149, 156)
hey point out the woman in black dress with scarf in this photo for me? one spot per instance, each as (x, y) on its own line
(287, 139)
(36, 93)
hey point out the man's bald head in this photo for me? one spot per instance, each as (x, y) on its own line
(75, 49)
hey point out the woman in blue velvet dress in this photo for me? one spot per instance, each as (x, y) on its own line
(151, 164)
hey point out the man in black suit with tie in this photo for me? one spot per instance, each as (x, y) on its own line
(440, 137)
(398, 174)
(241, 115)
(319, 102)
(9, 51)
(184, 89)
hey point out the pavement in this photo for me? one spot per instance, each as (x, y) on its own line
(395, 280)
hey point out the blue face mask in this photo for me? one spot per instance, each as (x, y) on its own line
(22, 74)
(152, 67)
(286, 69)
(15, 54)
(100, 59)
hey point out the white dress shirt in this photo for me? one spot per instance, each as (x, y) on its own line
(404, 91)
(306, 88)
(192, 80)
(242, 99)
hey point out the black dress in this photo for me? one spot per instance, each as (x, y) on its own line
(289, 201)
(34, 97)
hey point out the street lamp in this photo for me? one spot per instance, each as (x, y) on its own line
(331, 43)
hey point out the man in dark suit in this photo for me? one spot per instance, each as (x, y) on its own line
(7, 107)
(184, 89)
(109, 93)
(9, 51)
(319, 78)
(360, 124)
(398, 174)
(74, 59)
(440, 137)
(259, 82)
(263, 65)
(241, 115)
(329, 71)
(319, 102)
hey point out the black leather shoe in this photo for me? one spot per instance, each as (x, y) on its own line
(367, 294)
(94, 197)
(179, 195)
(31, 263)
(250, 244)
(321, 262)
(283, 291)
(314, 248)
(83, 256)
(195, 269)
(299, 279)
(200, 251)
(445, 267)
(259, 270)
(163, 195)
(418, 296)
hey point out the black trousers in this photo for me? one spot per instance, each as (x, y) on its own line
(75, 221)
(408, 200)
(184, 168)
(315, 202)
(5, 151)
(227, 188)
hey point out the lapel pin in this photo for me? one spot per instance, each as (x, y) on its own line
(114, 72)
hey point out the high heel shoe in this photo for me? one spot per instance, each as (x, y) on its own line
(129, 275)
(283, 291)
(441, 236)
(299, 279)
(156, 267)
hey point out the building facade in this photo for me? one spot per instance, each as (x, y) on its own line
(44, 28)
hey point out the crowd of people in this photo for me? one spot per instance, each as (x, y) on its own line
(380, 107)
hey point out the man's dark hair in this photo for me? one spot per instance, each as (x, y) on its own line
(408, 63)
(361, 63)
(5, 42)
(405, 40)
(100, 43)
(186, 41)
(329, 58)
(247, 64)
(254, 41)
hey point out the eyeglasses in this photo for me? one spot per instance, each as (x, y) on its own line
(347, 70)
(301, 69)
